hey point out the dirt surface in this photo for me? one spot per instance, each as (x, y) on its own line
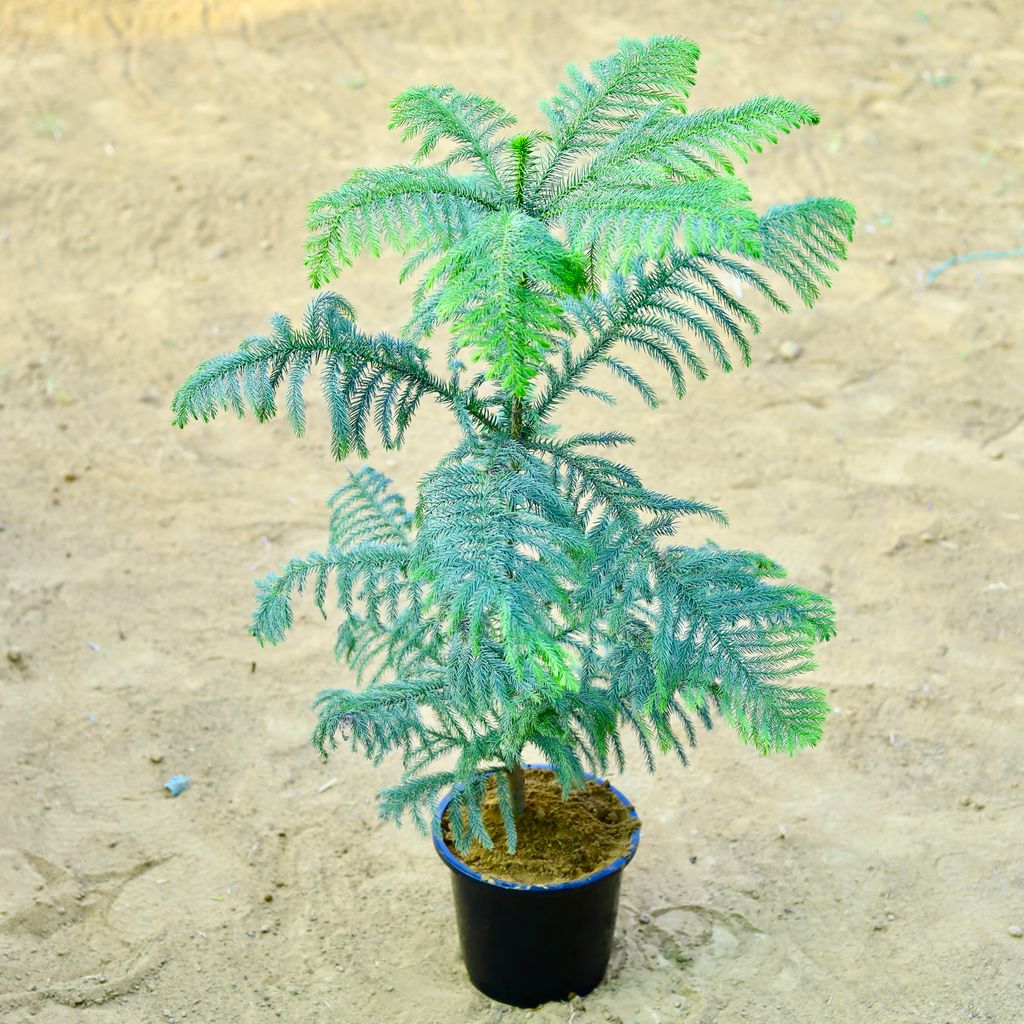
(155, 163)
(557, 840)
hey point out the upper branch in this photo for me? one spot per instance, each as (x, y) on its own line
(659, 310)
(403, 208)
(588, 112)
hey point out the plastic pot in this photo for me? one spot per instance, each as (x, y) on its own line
(529, 944)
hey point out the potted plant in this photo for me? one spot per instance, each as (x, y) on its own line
(532, 599)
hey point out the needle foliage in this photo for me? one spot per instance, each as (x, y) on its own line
(535, 593)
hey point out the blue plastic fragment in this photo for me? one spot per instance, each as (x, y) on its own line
(177, 784)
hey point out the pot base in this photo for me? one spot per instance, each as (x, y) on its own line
(526, 948)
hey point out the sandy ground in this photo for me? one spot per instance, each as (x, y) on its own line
(155, 163)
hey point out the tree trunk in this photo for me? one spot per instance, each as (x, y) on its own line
(518, 787)
(516, 419)
(515, 774)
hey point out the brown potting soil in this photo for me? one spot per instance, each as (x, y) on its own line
(558, 840)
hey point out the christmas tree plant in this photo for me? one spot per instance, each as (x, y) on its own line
(533, 596)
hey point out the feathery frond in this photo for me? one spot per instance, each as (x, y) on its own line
(620, 218)
(366, 381)
(500, 549)
(373, 574)
(661, 309)
(803, 241)
(406, 209)
(523, 161)
(663, 144)
(441, 112)
(723, 629)
(364, 508)
(501, 285)
(587, 113)
(709, 135)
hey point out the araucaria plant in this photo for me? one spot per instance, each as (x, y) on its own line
(533, 595)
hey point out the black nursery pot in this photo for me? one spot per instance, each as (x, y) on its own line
(529, 944)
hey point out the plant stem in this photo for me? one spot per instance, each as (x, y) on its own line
(516, 419)
(517, 784)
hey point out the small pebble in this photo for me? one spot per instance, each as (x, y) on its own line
(156, 758)
(264, 928)
(251, 934)
(1016, 931)
(645, 918)
(14, 655)
(790, 350)
(889, 258)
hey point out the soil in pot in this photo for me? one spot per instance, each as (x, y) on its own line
(558, 840)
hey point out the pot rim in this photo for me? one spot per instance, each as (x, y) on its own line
(500, 883)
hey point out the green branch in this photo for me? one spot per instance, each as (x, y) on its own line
(403, 208)
(362, 376)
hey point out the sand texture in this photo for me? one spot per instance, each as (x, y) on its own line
(156, 159)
